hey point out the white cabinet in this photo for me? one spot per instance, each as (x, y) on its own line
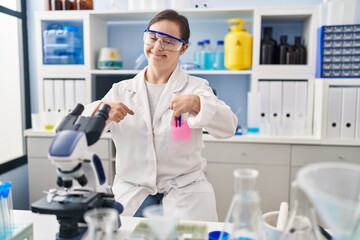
(42, 172)
(271, 160)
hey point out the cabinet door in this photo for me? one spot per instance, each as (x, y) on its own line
(301, 155)
(272, 184)
(249, 153)
(42, 177)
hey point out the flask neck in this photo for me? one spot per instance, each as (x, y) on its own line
(245, 180)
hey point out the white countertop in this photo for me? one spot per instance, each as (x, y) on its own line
(46, 226)
(307, 140)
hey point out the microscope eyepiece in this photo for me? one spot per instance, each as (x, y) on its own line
(104, 112)
(77, 110)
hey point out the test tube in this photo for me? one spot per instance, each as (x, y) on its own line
(6, 214)
(9, 204)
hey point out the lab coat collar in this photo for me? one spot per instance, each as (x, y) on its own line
(177, 81)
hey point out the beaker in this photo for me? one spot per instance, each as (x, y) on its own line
(162, 221)
(244, 218)
(334, 189)
(302, 223)
(102, 223)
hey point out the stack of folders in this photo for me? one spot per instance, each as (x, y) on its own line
(62, 95)
(283, 107)
(343, 113)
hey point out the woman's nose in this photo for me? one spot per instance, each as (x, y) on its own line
(158, 44)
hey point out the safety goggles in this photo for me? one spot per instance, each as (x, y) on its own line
(168, 42)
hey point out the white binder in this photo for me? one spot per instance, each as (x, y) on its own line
(288, 107)
(79, 92)
(348, 116)
(300, 111)
(275, 106)
(264, 90)
(69, 95)
(48, 95)
(357, 124)
(59, 95)
(334, 112)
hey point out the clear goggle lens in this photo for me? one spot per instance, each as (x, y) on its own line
(168, 42)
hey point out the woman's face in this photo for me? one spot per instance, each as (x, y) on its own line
(157, 56)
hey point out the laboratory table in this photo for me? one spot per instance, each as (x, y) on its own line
(46, 226)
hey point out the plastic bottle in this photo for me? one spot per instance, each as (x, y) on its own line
(219, 56)
(284, 47)
(206, 59)
(253, 113)
(197, 54)
(300, 51)
(268, 51)
(244, 218)
(238, 46)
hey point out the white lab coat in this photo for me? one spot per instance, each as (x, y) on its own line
(149, 161)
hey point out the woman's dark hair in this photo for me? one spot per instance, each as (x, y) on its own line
(175, 17)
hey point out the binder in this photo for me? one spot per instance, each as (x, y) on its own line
(275, 106)
(300, 111)
(348, 115)
(264, 90)
(357, 124)
(69, 95)
(79, 91)
(59, 95)
(288, 106)
(48, 95)
(334, 112)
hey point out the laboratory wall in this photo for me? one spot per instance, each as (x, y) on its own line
(34, 6)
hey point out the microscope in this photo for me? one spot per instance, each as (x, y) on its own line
(80, 174)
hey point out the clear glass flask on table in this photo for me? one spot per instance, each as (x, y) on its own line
(244, 218)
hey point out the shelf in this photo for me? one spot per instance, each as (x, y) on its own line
(195, 72)
(193, 14)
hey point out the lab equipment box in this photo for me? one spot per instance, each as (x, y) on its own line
(339, 52)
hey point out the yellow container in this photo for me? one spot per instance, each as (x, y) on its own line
(238, 46)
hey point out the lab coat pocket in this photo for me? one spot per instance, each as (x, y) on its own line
(182, 132)
(180, 139)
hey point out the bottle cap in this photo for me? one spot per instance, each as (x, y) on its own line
(220, 42)
(215, 235)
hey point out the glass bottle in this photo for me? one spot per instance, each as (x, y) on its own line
(197, 54)
(85, 4)
(70, 5)
(300, 51)
(206, 56)
(302, 223)
(102, 223)
(244, 218)
(284, 47)
(219, 56)
(268, 51)
(57, 5)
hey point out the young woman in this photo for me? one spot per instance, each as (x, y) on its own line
(158, 159)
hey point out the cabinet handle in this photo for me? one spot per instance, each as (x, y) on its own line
(341, 158)
(244, 154)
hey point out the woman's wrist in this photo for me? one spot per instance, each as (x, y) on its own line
(196, 104)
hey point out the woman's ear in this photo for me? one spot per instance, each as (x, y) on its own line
(184, 48)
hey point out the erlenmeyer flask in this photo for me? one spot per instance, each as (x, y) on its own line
(244, 219)
(302, 222)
